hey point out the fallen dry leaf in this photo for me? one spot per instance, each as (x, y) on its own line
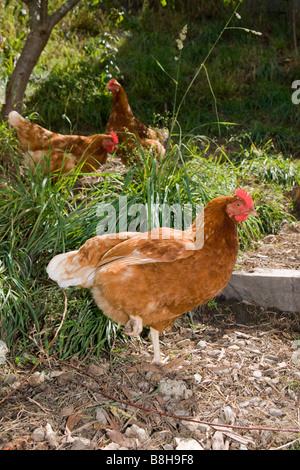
(119, 438)
(17, 443)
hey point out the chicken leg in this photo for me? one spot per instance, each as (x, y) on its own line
(156, 349)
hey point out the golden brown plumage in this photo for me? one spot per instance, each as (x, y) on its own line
(150, 279)
(130, 130)
(65, 151)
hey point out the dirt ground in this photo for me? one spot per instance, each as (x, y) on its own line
(230, 380)
(237, 365)
(281, 251)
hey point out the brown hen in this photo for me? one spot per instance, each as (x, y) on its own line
(65, 152)
(150, 279)
(131, 132)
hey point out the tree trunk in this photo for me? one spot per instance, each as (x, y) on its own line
(294, 25)
(41, 25)
(15, 90)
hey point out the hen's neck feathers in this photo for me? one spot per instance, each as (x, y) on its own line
(121, 104)
(214, 223)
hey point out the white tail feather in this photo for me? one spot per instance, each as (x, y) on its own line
(66, 271)
(15, 119)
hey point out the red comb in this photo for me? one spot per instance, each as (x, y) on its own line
(242, 193)
(113, 80)
(114, 137)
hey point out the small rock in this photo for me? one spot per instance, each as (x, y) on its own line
(244, 404)
(174, 388)
(137, 433)
(201, 344)
(11, 379)
(198, 378)
(296, 357)
(38, 434)
(81, 443)
(3, 352)
(100, 416)
(255, 400)
(295, 344)
(214, 353)
(67, 410)
(168, 447)
(36, 379)
(243, 447)
(187, 444)
(65, 378)
(270, 373)
(15, 384)
(282, 365)
(95, 370)
(276, 413)
(257, 374)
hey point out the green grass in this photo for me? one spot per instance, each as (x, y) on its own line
(250, 75)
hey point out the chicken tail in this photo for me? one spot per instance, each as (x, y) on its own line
(67, 270)
(16, 120)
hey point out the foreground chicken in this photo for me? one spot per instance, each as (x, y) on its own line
(152, 278)
(65, 151)
(128, 128)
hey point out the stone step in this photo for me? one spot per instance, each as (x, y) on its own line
(277, 288)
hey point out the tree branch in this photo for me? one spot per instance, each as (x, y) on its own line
(61, 12)
(44, 11)
(34, 12)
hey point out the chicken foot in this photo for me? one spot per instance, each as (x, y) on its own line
(134, 326)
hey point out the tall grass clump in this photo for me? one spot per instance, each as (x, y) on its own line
(40, 217)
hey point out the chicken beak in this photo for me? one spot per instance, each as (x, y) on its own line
(253, 212)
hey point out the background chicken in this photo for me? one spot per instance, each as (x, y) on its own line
(123, 122)
(65, 151)
(150, 279)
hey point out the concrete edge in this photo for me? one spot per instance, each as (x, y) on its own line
(277, 288)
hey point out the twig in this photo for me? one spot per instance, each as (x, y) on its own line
(170, 415)
(39, 405)
(43, 355)
(284, 446)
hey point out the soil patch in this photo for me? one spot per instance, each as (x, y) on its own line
(280, 251)
(227, 363)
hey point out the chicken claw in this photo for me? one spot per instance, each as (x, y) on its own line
(134, 326)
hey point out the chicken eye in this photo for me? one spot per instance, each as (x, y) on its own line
(238, 204)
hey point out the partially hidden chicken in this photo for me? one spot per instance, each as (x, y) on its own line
(64, 152)
(150, 279)
(131, 132)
